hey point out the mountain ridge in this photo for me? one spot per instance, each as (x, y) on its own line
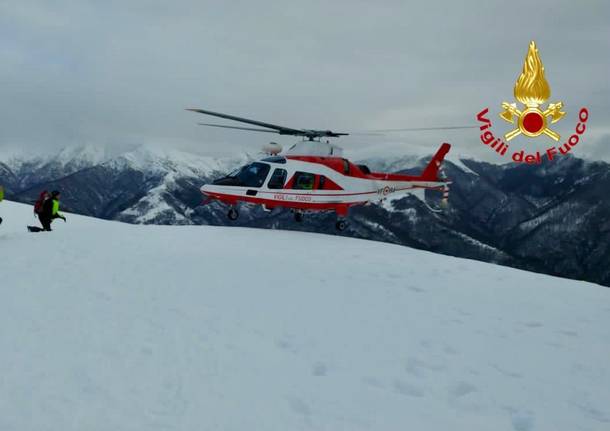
(508, 214)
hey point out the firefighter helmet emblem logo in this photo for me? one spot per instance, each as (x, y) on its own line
(532, 90)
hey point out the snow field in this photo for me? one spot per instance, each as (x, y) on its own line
(105, 326)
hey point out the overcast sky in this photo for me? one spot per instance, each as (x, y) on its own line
(122, 72)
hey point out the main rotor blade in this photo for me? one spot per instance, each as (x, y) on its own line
(239, 128)
(281, 129)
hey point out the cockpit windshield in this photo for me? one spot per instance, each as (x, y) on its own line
(234, 172)
(252, 175)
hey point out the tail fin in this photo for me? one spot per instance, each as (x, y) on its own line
(431, 171)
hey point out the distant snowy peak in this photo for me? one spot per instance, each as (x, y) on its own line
(156, 161)
(143, 158)
(18, 159)
(86, 155)
(70, 159)
(29, 168)
(406, 162)
(169, 171)
(462, 165)
(391, 164)
(165, 161)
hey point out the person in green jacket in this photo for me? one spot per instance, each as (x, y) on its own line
(50, 211)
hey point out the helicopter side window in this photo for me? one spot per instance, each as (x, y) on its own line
(253, 175)
(345, 167)
(327, 184)
(278, 178)
(365, 169)
(303, 181)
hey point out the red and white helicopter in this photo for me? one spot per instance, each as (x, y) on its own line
(313, 176)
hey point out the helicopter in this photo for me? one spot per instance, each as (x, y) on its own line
(313, 176)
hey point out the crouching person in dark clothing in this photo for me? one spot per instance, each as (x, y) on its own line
(48, 213)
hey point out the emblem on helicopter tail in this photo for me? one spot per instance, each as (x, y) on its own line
(530, 117)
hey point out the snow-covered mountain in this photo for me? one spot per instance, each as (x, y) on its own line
(145, 185)
(105, 325)
(552, 218)
(168, 172)
(22, 170)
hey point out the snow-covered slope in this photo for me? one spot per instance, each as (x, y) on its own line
(109, 326)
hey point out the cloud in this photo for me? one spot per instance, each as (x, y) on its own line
(113, 73)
